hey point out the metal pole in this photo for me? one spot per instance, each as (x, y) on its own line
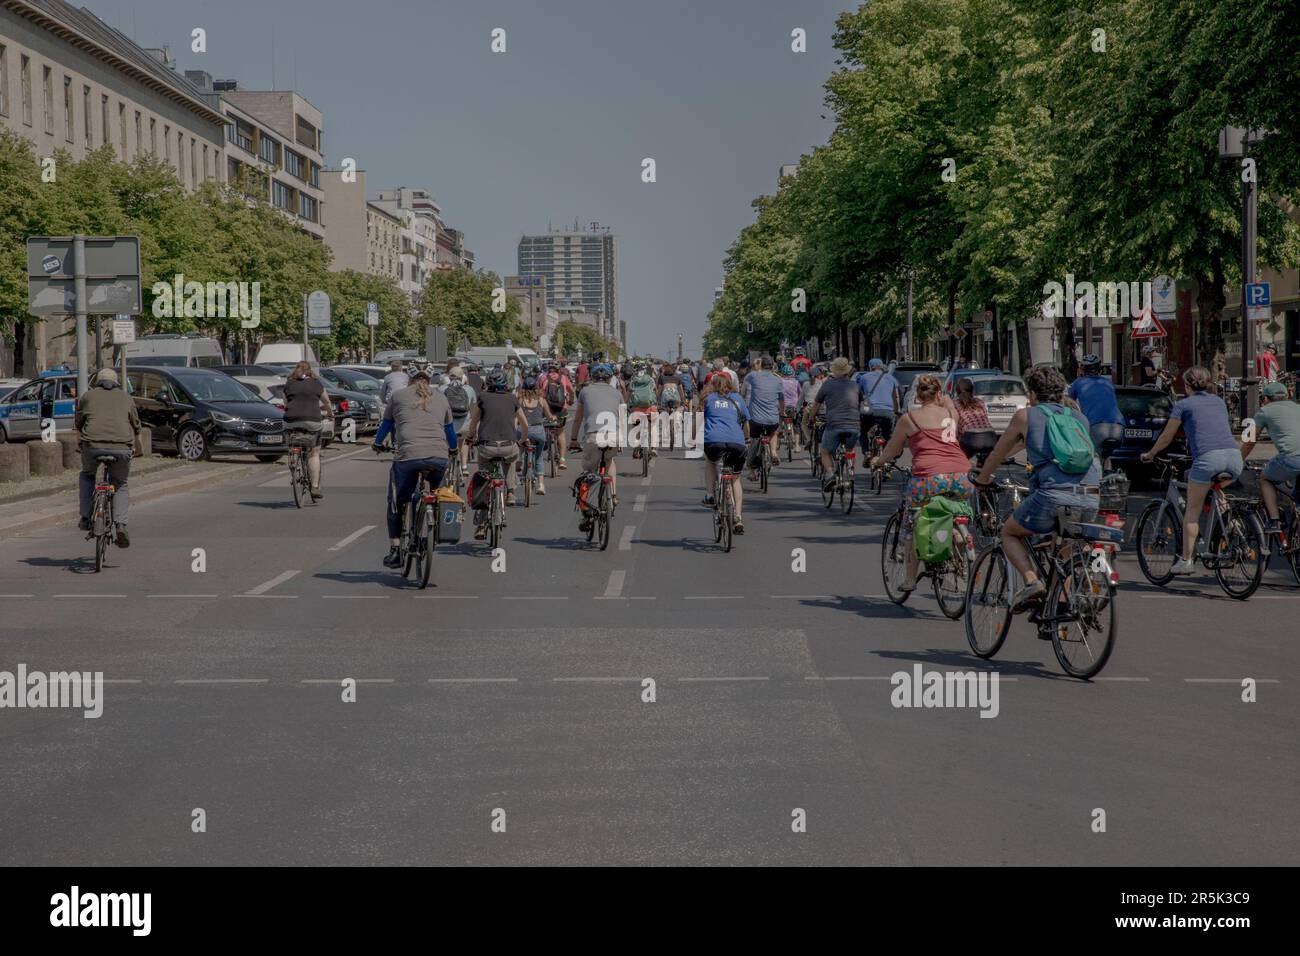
(304, 327)
(371, 356)
(908, 351)
(99, 341)
(1249, 207)
(79, 291)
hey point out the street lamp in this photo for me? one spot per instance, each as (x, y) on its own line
(1235, 143)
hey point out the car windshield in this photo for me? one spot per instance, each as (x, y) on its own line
(906, 376)
(1143, 404)
(216, 388)
(998, 386)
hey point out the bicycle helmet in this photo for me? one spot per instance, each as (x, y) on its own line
(787, 369)
(1090, 362)
(495, 380)
(419, 370)
(530, 383)
(602, 373)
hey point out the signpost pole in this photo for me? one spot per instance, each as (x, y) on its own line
(79, 280)
(304, 327)
(908, 352)
(1249, 206)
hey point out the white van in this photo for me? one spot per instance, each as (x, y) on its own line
(182, 351)
(284, 353)
(489, 355)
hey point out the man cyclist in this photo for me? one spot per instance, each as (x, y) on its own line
(765, 401)
(460, 399)
(306, 406)
(672, 393)
(880, 394)
(1279, 417)
(425, 438)
(595, 428)
(394, 381)
(641, 397)
(839, 395)
(496, 423)
(801, 362)
(107, 424)
(1095, 394)
(791, 393)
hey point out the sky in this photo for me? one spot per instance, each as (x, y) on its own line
(553, 129)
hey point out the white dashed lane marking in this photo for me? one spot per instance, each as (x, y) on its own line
(625, 542)
(352, 537)
(274, 582)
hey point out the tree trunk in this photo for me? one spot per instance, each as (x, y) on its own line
(1065, 335)
(1210, 302)
(1022, 344)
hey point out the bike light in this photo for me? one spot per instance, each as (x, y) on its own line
(343, 404)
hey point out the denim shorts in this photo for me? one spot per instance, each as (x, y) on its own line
(832, 438)
(1210, 463)
(1037, 512)
(1282, 468)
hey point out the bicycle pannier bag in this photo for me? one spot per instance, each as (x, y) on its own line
(933, 528)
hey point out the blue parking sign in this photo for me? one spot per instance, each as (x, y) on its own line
(1257, 293)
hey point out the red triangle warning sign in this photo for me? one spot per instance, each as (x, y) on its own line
(1147, 326)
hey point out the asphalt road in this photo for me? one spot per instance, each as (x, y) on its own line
(521, 691)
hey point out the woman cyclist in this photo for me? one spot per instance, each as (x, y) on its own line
(537, 410)
(939, 466)
(306, 405)
(975, 432)
(725, 415)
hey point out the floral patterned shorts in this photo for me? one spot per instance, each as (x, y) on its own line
(920, 490)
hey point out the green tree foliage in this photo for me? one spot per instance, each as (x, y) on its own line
(462, 301)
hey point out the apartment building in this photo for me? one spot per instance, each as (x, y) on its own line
(531, 293)
(363, 236)
(579, 266)
(427, 244)
(70, 81)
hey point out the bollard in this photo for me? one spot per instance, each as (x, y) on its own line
(146, 442)
(15, 463)
(71, 449)
(46, 457)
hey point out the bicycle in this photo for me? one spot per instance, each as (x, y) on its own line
(1231, 541)
(948, 577)
(814, 446)
(496, 516)
(843, 480)
(603, 513)
(1079, 615)
(102, 525)
(456, 475)
(873, 445)
(420, 536)
(724, 507)
(554, 435)
(528, 469)
(300, 446)
(764, 469)
(1288, 506)
(787, 438)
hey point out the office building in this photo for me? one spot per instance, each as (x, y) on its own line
(579, 266)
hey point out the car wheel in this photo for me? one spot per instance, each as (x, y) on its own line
(3, 437)
(191, 445)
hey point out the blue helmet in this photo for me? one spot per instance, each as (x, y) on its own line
(602, 373)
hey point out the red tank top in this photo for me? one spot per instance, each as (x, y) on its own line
(931, 455)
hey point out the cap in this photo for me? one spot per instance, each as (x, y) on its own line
(1275, 390)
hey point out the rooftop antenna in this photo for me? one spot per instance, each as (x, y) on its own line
(272, 56)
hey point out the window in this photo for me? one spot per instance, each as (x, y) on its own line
(87, 123)
(47, 95)
(205, 162)
(167, 143)
(153, 135)
(104, 127)
(180, 156)
(137, 132)
(315, 174)
(4, 81)
(25, 83)
(121, 123)
(269, 150)
(307, 134)
(307, 207)
(293, 164)
(67, 107)
(281, 195)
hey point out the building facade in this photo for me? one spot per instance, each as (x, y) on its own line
(70, 81)
(427, 244)
(531, 293)
(579, 266)
(362, 236)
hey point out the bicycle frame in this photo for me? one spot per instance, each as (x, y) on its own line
(1216, 506)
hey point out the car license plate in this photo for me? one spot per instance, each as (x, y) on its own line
(270, 439)
(1138, 433)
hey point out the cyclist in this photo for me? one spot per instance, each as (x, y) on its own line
(1050, 487)
(720, 366)
(595, 428)
(108, 424)
(461, 397)
(765, 401)
(496, 422)
(880, 394)
(975, 433)
(725, 415)
(801, 362)
(425, 437)
(672, 391)
(1267, 367)
(641, 397)
(537, 411)
(1095, 394)
(1148, 374)
(582, 375)
(939, 466)
(839, 395)
(1280, 418)
(306, 406)
(394, 381)
(560, 394)
(1203, 417)
(790, 392)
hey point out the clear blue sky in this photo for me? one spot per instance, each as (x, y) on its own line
(556, 127)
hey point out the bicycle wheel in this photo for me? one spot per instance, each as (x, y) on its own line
(645, 461)
(816, 462)
(789, 446)
(407, 543)
(603, 515)
(495, 518)
(424, 530)
(1084, 641)
(726, 525)
(529, 481)
(296, 482)
(1292, 553)
(988, 602)
(1159, 542)
(764, 468)
(877, 480)
(893, 559)
(552, 456)
(1237, 544)
(828, 491)
(847, 491)
(950, 582)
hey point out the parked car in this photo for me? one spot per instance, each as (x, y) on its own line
(8, 385)
(259, 378)
(351, 379)
(1146, 412)
(1003, 394)
(198, 412)
(184, 351)
(906, 372)
(25, 407)
(374, 371)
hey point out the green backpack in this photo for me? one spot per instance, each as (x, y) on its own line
(932, 530)
(1068, 441)
(643, 391)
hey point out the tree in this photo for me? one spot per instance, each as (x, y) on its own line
(462, 301)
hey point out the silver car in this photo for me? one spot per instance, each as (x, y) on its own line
(1004, 395)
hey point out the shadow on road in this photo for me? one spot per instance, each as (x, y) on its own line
(951, 658)
(874, 608)
(273, 505)
(392, 580)
(79, 565)
(577, 543)
(696, 545)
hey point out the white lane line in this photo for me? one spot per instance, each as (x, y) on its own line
(890, 677)
(534, 597)
(90, 595)
(1132, 680)
(805, 597)
(713, 597)
(446, 597)
(646, 480)
(645, 598)
(275, 581)
(614, 588)
(227, 680)
(352, 537)
(16, 595)
(625, 542)
(701, 680)
(356, 597)
(473, 680)
(271, 597)
(123, 680)
(639, 504)
(596, 680)
(359, 680)
(1227, 680)
(869, 677)
(183, 595)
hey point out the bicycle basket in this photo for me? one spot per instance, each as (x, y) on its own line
(1114, 492)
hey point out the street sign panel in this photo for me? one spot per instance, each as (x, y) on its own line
(1147, 326)
(1164, 297)
(1259, 306)
(318, 313)
(112, 271)
(123, 330)
(372, 313)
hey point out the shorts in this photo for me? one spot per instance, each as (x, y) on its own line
(947, 485)
(1211, 463)
(1037, 513)
(591, 450)
(1282, 468)
(306, 430)
(757, 430)
(832, 438)
(731, 456)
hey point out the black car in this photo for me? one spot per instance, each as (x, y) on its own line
(198, 412)
(352, 379)
(906, 372)
(1145, 411)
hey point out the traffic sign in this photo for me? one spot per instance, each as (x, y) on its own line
(318, 313)
(1258, 301)
(1164, 298)
(111, 269)
(1147, 326)
(123, 330)
(372, 313)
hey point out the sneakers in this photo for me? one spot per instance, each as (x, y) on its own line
(541, 488)
(480, 533)
(122, 540)
(393, 559)
(708, 501)
(738, 527)
(317, 494)
(585, 524)
(84, 524)
(510, 499)
(1030, 594)
(1182, 566)
(828, 484)
(564, 465)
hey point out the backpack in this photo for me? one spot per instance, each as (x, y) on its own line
(932, 531)
(457, 398)
(1068, 441)
(643, 391)
(555, 393)
(670, 395)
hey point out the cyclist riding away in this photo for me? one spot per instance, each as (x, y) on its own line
(109, 426)
(306, 406)
(839, 395)
(880, 398)
(801, 362)
(1203, 417)
(765, 401)
(975, 433)
(461, 397)
(1095, 394)
(1279, 418)
(425, 437)
(394, 381)
(595, 428)
(939, 466)
(537, 411)
(641, 398)
(560, 395)
(790, 393)
(724, 439)
(496, 422)
(1051, 487)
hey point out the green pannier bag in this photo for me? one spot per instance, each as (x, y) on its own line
(932, 530)
(1069, 441)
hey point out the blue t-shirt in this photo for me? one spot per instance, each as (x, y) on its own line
(722, 417)
(1038, 450)
(878, 388)
(1205, 423)
(764, 391)
(1096, 396)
